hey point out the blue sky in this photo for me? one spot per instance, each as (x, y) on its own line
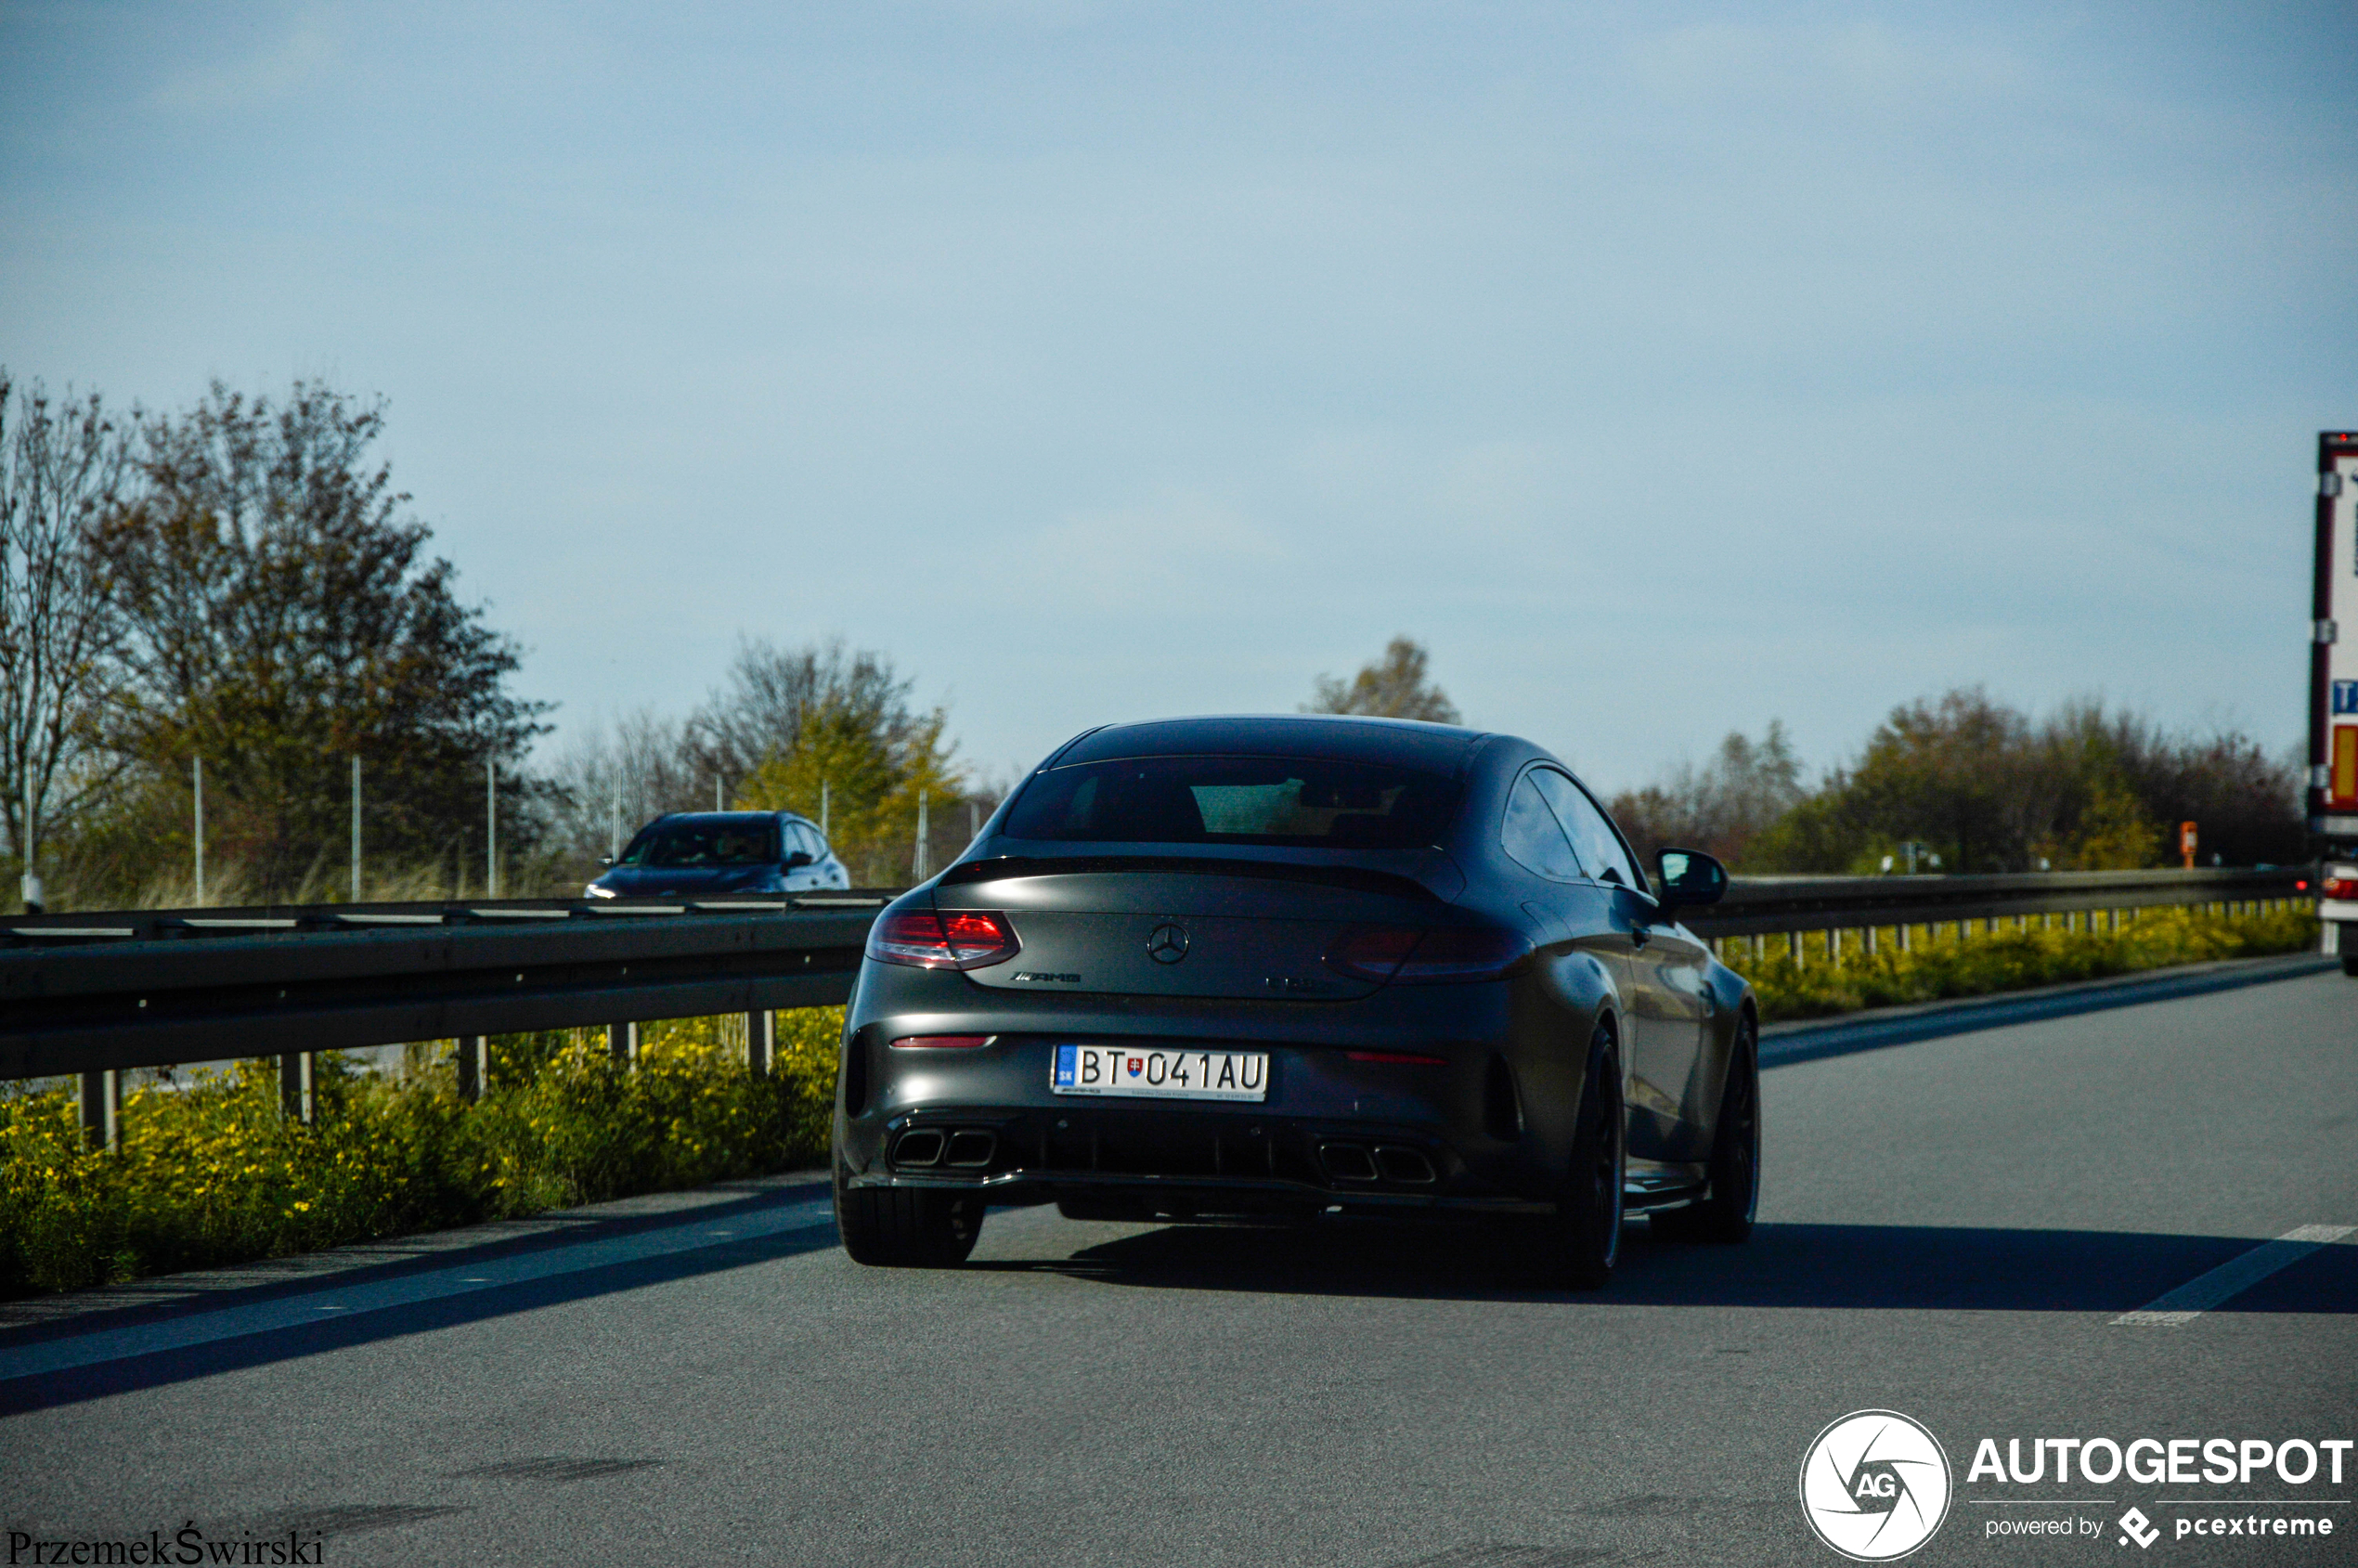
(1665, 370)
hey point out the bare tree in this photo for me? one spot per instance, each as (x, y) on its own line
(1720, 807)
(1395, 686)
(63, 467)
(610, 782)
(757, 715)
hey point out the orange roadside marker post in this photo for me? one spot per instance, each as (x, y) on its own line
(2186, 842)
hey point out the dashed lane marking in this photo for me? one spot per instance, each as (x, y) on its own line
(2231, 1278)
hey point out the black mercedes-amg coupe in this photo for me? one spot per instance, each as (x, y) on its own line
(1282, 968)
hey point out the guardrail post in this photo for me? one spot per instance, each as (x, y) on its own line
(294, 1084)
(102, 1109)
(1833, 945)
(762, 1041)
(1793, 946)
(475, 1066)
(622, 1044)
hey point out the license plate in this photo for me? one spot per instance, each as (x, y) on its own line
(1159, 1073)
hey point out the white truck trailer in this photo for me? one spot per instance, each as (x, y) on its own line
(2333, 695)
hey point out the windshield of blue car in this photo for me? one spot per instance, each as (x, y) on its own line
(1280, 801)
(686, 845)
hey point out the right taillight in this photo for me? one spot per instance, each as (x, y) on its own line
(2340, 888)
(959, 939)
(1410, 955)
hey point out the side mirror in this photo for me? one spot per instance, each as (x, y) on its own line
(797, 859)
(1688, 878)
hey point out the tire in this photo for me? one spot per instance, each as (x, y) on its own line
(2350, 962)
(1726, 1213)
(905, 1228)
(1585, 1233)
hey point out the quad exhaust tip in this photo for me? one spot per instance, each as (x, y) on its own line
(920, 1147)
(1347, 1162)
(968, 1149)
(1402, 1167)
(1405, 1165)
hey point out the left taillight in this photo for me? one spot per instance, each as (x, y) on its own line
(961, 938)
(1407, 955)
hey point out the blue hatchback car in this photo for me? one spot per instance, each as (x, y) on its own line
(699, 854)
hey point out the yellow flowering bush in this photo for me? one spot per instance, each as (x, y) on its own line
(1938, 966)
(210, 1173)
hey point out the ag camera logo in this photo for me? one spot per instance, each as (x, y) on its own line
(1875, 1485)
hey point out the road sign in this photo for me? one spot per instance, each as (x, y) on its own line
(2333, 664)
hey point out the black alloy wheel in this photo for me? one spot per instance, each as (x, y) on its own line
(1726, 1213)
(1587, 1226)
(904, 1228)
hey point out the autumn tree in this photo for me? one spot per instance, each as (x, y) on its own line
(1722, 807)
(826, 727)
(1395, 686)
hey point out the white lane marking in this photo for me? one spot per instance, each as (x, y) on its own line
(2232, 1278)
(174, 1333)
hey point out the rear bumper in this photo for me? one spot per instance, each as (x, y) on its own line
(1451, 1144)
(1228, 1160)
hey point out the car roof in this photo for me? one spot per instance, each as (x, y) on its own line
(1350, 737)
(745, 817)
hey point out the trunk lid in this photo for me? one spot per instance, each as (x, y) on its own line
(1149, 926)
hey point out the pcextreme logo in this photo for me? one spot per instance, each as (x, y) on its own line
(1875, 1485)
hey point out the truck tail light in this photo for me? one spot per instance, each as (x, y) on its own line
(959, 939)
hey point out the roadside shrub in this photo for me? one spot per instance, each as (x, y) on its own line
(1938, 966)
(209, 1173)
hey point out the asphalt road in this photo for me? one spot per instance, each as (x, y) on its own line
(1952, 1227)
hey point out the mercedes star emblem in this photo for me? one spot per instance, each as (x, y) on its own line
(1167, 943)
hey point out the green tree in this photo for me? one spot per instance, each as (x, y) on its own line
(281, 616)
(1395, 686)
(1953, 772)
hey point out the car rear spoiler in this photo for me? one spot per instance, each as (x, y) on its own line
(1361, 879)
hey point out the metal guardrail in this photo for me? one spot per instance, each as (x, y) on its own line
(89, 993)
(1758, 905)
(93, 993)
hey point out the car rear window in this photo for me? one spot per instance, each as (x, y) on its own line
(681, 845)
(1299, 802)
